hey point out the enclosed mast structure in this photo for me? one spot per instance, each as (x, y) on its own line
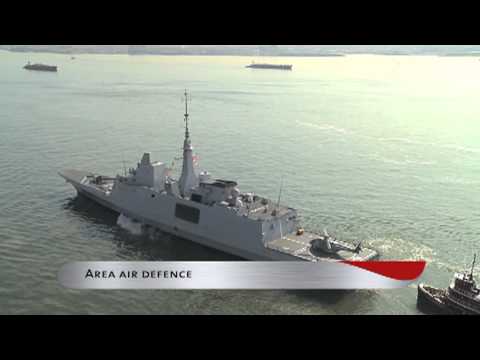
(188, 179)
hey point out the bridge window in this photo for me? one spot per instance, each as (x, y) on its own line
(187, 213)
(196, 198)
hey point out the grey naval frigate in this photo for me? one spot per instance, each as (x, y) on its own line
(211, 212)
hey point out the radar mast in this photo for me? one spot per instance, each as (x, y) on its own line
(188, 179)
(187, 134)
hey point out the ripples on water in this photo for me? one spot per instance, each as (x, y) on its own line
(387, 157)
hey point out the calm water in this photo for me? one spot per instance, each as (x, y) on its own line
(380, 148)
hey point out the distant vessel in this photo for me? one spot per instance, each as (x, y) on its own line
(461, 297)
(40, 67)
(211, 212)
(269, 66)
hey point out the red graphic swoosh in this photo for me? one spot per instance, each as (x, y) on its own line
(398, 270)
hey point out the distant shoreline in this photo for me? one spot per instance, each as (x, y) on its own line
(166, 54)
(43, 51)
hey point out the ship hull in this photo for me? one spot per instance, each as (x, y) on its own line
(431, 300)
(86, 191)
(41, 68)
(218, 229)
(268, 255)
(174, 230)
(271, 67)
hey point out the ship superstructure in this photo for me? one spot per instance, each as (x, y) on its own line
(209, 211)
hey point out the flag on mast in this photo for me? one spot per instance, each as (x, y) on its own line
(196, 159)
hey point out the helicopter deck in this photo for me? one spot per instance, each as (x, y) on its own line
(300, 245)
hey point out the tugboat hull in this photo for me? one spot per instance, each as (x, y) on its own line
(431, 300)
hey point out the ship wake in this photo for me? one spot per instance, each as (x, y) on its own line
(132, 226)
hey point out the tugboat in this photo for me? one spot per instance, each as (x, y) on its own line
(40, 67)
(461, 297)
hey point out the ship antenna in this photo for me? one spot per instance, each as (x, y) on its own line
(124, 167)
(187, 134)
(473, 264)
(280, 193)
(278, 207)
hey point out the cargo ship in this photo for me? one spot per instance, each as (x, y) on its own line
(40, 67)
(269, 66)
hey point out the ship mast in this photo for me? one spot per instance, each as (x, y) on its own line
(187, 134)
(280, 194)
(473, 265)
(188, 179)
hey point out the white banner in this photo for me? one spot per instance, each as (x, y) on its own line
(240, 275)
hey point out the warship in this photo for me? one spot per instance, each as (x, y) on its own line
(461, 297)
(211, 212)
